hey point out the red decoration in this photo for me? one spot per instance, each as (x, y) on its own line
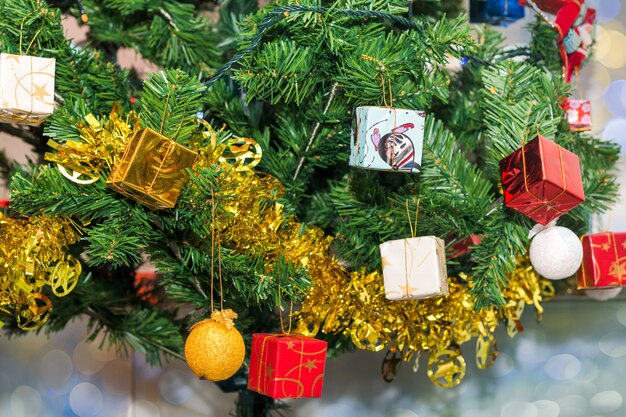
(464, 246)
(604, 261)
(548, 6)
(146, 286)
(542, 180)
(287, 366)
(578, 114)
(575, 23)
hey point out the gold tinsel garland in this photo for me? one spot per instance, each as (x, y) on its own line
(352, 303)
(34, 260)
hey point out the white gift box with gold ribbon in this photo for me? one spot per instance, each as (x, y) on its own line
(26, 89)
(387, 139)
(414, 268)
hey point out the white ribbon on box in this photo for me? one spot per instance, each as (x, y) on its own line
(26, 89)
(414, 268)
(387, 139)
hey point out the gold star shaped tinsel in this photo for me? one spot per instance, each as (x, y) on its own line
(33, 260)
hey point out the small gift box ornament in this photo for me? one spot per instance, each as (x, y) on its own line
(152, 169)
(26, 89)
(464, 246)
(542, 180)
(387, 139)
(287, 366)
(414, 268)
(604, 261)
(496, 12)
(578, 113)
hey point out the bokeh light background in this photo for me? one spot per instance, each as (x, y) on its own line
(570, 365)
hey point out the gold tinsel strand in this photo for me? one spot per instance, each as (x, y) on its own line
(33, 260)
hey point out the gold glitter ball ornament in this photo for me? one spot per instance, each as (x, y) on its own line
(214, 349)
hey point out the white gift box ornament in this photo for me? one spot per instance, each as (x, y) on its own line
(26, 89)
(387, 139)
(414, 268)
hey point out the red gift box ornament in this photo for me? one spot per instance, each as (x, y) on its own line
(287, 366)
(542, 180)
(604, 261)
(578, 113)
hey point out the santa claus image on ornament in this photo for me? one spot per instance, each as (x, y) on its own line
(395, 148)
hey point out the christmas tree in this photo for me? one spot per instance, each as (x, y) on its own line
(235, 170)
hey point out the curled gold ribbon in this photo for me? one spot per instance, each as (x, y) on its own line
(33, 258)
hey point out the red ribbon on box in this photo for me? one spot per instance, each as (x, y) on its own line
(604, 261)
(536, 186)
(287, 366)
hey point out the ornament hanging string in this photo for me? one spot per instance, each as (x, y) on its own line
(577, 83)
(406, 252)
(36, 33)
(541, 13)
(215, 236)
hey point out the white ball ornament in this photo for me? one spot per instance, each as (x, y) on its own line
(556, 253)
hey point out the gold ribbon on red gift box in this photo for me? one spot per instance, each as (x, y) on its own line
(283, 368)
(562, 187)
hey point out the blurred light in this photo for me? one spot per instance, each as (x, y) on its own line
(615, 130)
(503, 366)
(562, 367)
(30, 342)
(86, 400)
(55, 368)
(116, 377)
(145, 408)
(103, 355)
(144, 369)
(614, 58)
(572, 406)
(621, 316)
(606, 9)
(613, 344)
(602, 46)
(597, 83)
(589, 371)
(547, 408)
(85, 361)
(615, 97)
(26, 402)
(606, 402)
(401, 412)
(519, 409)
(174, 387)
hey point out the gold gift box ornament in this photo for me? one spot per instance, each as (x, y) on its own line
(152, 170)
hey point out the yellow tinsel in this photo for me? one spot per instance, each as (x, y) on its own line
(100, 144)
(33, 258)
